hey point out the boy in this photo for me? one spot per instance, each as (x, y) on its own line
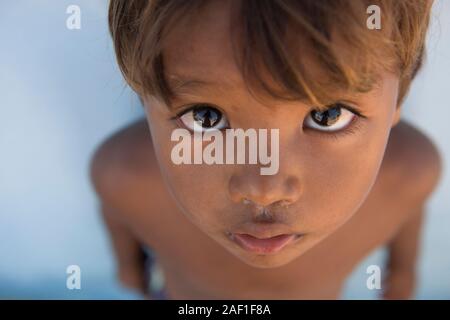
(351, 176)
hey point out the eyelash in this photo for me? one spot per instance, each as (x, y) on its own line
(351, 129)
(191, 107)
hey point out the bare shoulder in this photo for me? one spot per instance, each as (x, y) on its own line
(124, 170)
(412, 163)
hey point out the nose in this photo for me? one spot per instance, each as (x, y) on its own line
(264, 190)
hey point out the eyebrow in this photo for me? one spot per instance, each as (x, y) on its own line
(183, 84)
(178, 84)
(189, 87)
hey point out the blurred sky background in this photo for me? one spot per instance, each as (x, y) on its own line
(61, 94)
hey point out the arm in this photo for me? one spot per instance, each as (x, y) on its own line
(402, 257)
(108, 178)
(418, 175)
(129, 255)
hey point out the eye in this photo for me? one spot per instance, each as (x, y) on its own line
(335, 118)
(201, 118)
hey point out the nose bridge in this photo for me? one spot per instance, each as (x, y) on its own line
(264, 190)
(248, 182)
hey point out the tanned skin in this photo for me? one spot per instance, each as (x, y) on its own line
(347, 194)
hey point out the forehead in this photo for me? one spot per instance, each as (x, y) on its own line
(199, 52)
(200, 45)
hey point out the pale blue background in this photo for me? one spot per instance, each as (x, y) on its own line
(61, 94)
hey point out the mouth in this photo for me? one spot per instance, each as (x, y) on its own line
(263, 245)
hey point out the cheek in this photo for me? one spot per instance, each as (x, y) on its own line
(340, 175)
(201, 193)
(198, 189)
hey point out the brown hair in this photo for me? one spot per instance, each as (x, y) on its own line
(348, 53)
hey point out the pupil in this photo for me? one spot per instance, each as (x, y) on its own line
(328, 117)
(208, 117)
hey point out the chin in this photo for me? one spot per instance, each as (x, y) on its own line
(266, 261)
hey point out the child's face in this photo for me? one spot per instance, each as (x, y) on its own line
(323, 177)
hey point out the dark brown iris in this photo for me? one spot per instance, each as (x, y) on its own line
(208, 117)
(326, 118)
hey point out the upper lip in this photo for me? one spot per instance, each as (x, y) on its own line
(264, 231)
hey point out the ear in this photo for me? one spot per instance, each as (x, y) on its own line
(397, 116)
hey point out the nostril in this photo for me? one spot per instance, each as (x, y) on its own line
(283, 203)
(279, 203)
(263, 191)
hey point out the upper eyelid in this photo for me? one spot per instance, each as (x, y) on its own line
(351, 107)
(346, 105)
(183, 111)
(190, 107)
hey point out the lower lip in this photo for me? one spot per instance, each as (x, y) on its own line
(265, 246)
